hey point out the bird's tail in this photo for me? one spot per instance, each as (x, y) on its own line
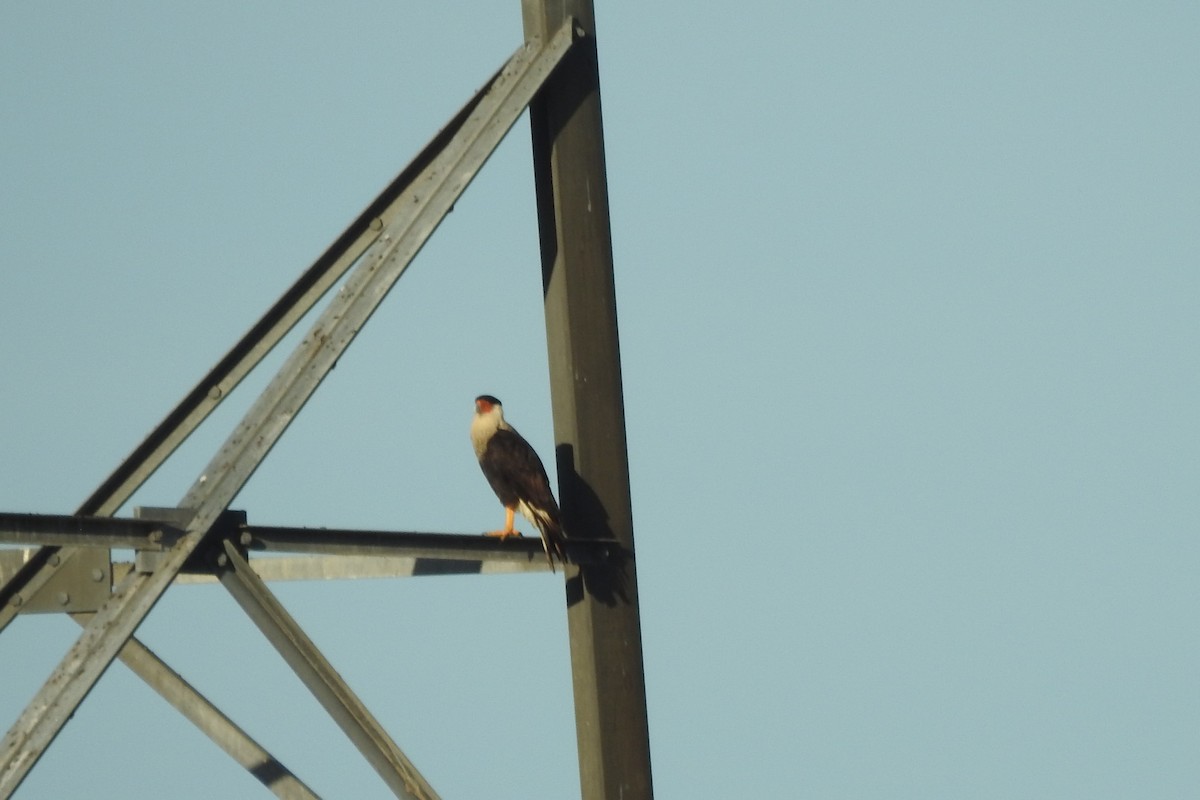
(554, 541)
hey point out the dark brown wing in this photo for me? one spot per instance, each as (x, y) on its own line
(516, 473)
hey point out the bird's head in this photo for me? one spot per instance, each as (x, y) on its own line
(486, 404)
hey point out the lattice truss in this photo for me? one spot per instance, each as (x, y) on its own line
(65, 562)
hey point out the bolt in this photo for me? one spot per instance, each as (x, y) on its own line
(17, 600)
(154, 537)
(97, 574)
(63, 598)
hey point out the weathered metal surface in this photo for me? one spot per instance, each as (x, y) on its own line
(27, 581)
(262, 337)
(81, 583)
(589, 426)
(326, 568)
(208, 718)
(87, 660)
(62, 530)
(430, 546)
(421, 209)
(322, 679)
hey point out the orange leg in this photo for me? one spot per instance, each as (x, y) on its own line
(509, 530)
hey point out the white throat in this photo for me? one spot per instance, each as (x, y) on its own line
(484, 426)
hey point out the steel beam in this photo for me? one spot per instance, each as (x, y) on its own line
(88, 659)
(427, 546)
(39, 581)
(441, 546)
(422, 206)
(329, 568)
(421, 209)
(81, 581)
(25, 582)
(262, 337)
(223, 731)
(534, 63)
(221, 380)
(69, 530)
(153, 531)
(321, 678)
(589, 425)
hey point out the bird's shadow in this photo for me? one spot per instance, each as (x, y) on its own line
(586, 521)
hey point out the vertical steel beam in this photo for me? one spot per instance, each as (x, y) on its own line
(589, 424)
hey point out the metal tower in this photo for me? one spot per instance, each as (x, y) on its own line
(69, 567)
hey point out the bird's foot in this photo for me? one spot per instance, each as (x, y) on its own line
(502, 535)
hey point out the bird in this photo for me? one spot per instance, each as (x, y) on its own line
(516, 475)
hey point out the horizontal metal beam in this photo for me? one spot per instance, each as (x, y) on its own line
(328, 568)
(68, 530)
(427, 546)
(349, 553)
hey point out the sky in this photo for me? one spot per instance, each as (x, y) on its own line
(907, 298)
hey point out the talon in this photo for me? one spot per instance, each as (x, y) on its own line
(502, 535)
(509, 530)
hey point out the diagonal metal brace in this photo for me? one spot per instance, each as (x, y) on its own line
(86, 661)
(279, 319)
(208, 718)
(321, 678)
(422, 207)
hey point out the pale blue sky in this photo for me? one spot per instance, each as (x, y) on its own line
(908, 303)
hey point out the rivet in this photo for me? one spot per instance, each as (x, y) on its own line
(63, 598)
(215, 392)
(17, 600)
(97, 574)
(55, 560)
